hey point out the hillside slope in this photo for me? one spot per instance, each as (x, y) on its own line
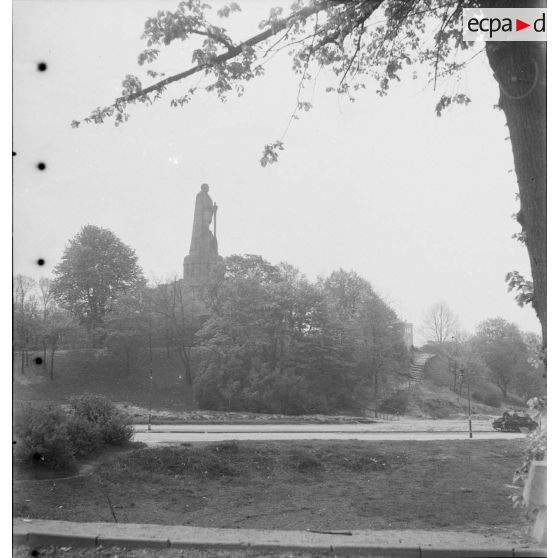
(94, 371)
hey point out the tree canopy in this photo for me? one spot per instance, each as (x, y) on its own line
(276, 342)
(95, 269)
(503, 349)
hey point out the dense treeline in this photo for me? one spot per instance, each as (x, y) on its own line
(276, 342)
(498, 360)
(259, 337)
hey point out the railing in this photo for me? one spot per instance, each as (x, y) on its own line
(372, 413)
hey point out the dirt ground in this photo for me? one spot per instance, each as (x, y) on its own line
(453, 485)
(140, 415)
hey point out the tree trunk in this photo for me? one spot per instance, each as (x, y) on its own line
(53, 350)
(185, 357)
(151, 352)
(504, 389)
(22, 361)
(520, 69)
(376, 394)
(44, 356)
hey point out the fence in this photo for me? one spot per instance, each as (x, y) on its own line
(373, 413)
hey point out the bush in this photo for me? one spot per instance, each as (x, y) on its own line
(42, 437)
(304, 461)
(85, 436)
(488, 395)
(101, 413)
(47, 436)
(396, 403)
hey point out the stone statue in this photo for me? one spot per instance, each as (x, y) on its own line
(203, 258)
(203, 240)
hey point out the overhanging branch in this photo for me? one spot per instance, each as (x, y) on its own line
(232, 52)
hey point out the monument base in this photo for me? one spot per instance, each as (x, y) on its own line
(199, 271)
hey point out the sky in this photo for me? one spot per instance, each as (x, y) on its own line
(420, 206)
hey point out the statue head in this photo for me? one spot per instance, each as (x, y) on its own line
(205, 188)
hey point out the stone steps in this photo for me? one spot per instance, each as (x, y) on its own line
(416, 372)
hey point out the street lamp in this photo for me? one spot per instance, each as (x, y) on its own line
(469, 407)
(461, 377)
(150, 378)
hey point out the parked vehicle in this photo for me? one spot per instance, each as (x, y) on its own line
(514, 423)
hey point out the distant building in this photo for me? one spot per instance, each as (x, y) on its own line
(408, 334)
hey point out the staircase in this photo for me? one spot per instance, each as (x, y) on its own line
(416, 372)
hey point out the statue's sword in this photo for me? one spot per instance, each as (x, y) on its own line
(215, 220)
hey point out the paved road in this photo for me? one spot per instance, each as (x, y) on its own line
(429, 430)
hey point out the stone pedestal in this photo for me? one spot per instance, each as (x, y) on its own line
(534, 495)
(200, 269)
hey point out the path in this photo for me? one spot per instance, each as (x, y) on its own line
(409, 543)
(400, 430)
(416, 373)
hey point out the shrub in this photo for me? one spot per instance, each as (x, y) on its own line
(488, 395)
(42, 437)
(396, 403)
(113, 425)
(117, 430)
(304, 461)
(85, 436)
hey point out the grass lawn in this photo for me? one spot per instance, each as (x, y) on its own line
(93, 371)
(441, 485)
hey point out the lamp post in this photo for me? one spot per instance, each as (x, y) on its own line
(150, 378)
(461, 378)
(456, 367)
(469, 408)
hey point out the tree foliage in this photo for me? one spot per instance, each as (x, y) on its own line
(175, 317)
(95, 269)
(502, 348)
(25, 311)
(127, 325)
(354, 39)
(276, 342)
(370, 326)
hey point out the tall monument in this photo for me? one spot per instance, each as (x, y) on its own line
(203, 258)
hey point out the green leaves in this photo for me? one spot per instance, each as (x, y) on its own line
(131, 85)
(276, 342)
(148, 56)
(95, 269)
(345, 38)
(523, 287)
(228, 9)
(271, 153)
(445, 101)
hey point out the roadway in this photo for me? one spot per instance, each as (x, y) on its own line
(395, 430)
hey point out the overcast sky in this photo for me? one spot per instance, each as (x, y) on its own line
(420, 206)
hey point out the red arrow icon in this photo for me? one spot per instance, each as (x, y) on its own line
(519, 25)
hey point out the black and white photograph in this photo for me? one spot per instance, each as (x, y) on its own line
(279, 278)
